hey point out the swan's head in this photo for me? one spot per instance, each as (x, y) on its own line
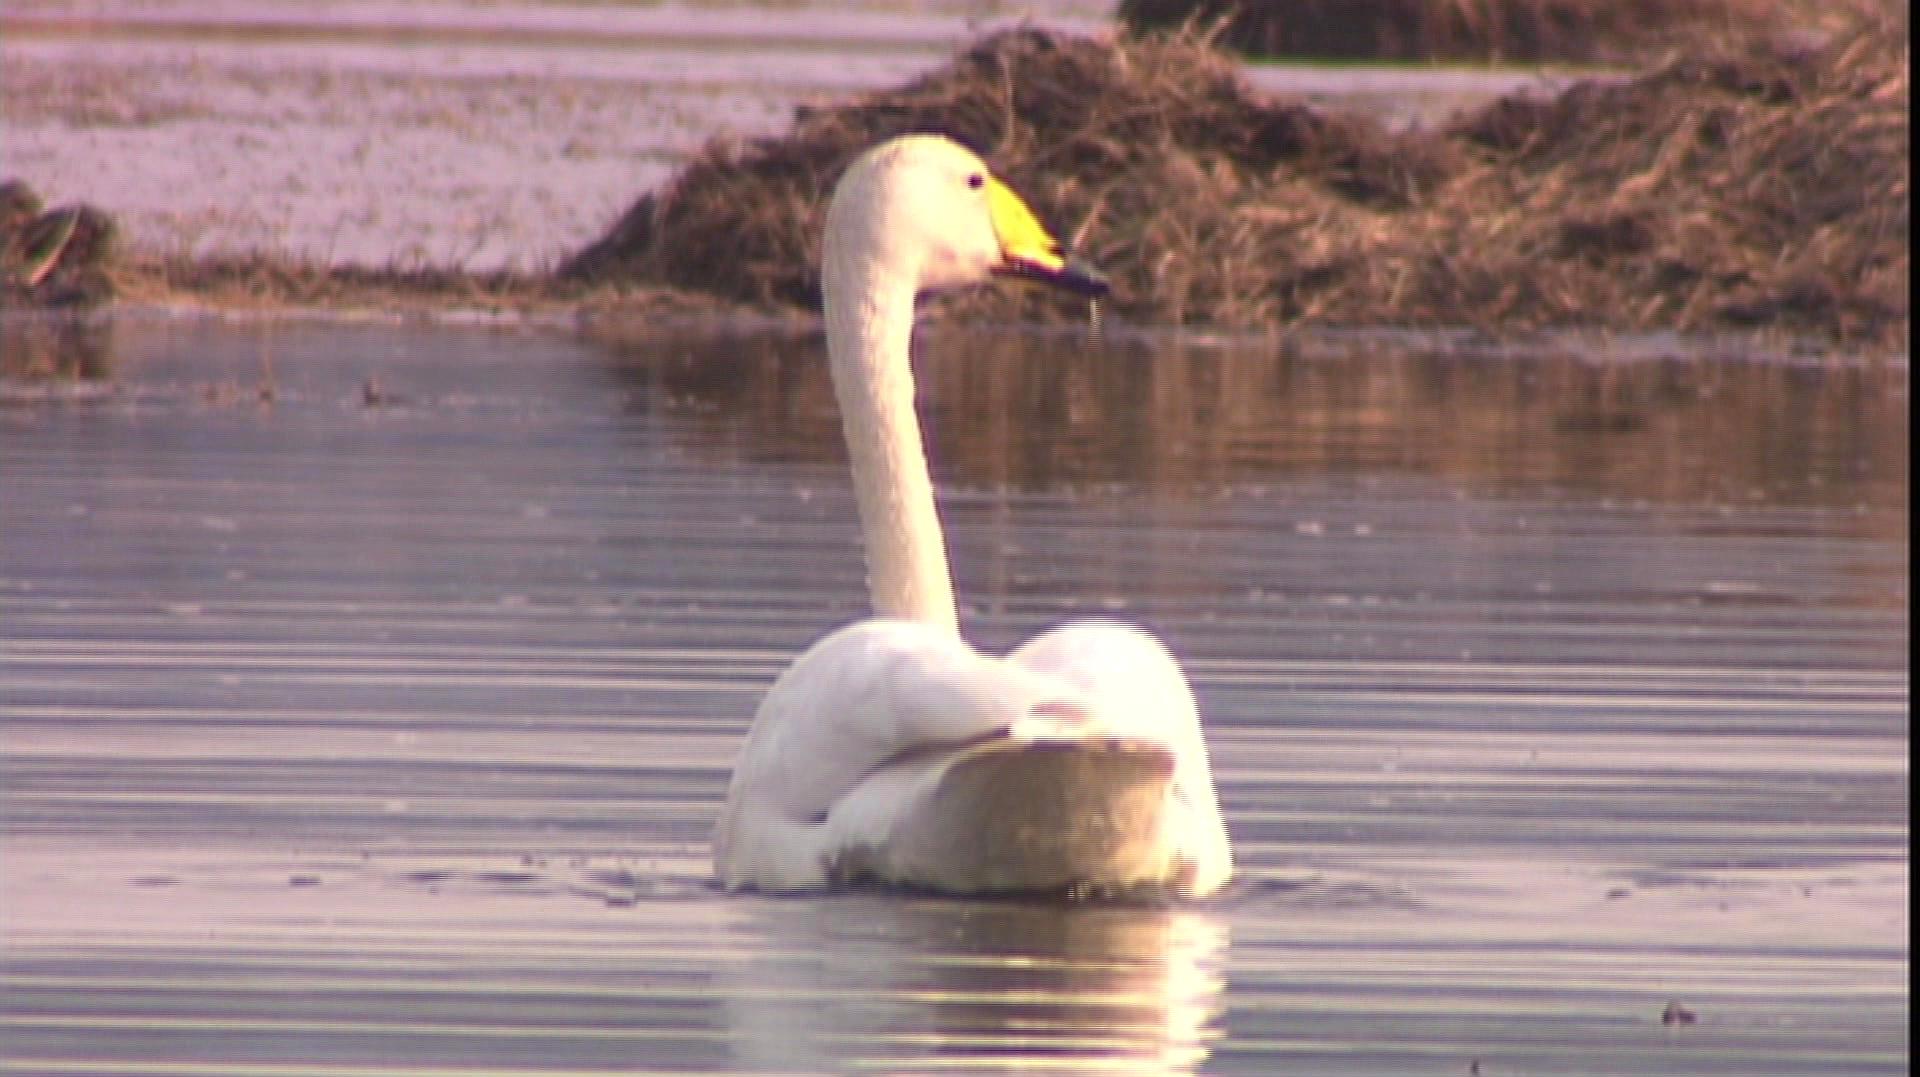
(925, 209)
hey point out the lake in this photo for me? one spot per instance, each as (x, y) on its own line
(369, 691)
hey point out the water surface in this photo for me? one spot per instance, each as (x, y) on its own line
(369, 692)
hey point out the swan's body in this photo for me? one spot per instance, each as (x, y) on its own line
(893, 752)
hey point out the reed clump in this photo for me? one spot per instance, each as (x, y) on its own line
(1156, 148)
(1744, 184)
(1736, 187)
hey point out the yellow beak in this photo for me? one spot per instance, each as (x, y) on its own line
(1028, 250)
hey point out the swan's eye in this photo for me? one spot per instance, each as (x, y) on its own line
(976, 181)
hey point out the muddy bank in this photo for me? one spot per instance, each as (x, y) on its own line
(1748, 186)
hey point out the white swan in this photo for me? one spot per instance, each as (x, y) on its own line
(892, 752)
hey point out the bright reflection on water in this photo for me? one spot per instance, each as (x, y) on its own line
(373, 722)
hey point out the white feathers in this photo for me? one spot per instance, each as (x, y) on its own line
(890, 750)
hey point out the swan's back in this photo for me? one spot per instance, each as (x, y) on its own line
(892, 752)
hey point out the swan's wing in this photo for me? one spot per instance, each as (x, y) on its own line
(1132, 681)
(875, 695)
(1137, 691)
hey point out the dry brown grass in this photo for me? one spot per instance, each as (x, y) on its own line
(263, 281)
(1743, 185)
(1732, 188)
(1155, 147)
(1583, 31)
(268, 281)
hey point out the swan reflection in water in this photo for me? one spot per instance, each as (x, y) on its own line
(875, 981)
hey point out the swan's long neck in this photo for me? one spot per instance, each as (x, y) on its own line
(869, 314)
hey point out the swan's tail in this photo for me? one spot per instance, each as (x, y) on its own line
(1084, 818)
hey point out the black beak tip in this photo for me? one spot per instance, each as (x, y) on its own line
(1073, 276)
(1082, 278)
